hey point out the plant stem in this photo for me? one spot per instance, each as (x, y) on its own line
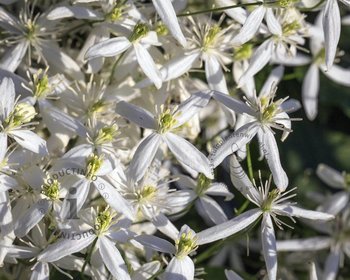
(114, 67)
(220, 9)
(249, 163)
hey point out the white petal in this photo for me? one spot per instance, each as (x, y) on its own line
(144, 155)
(307, 244)
(59, 60)
(191, 106)
(30, 141)
(339, 75)
(209, 208)
(108, 48)
(31, 217)
(65, 247)
(214, 74)
(219, 189)
(232, 103)
(250, 27)
(180, 269)
(164, 225)
(147, 65)
(13, 57)
(228, 228)
(331, 28)
(272, 23)
(313, 272)
(272, 81)
(7, 100)
(332, 264)
(233, 143)
(284, 120)
(330, 176)
(77, 12)
(259, 59)
(155, 243)
(7, 182)
(241, 181)
(268, 240)
(41, 271)
(302, 213)
(136, 114)
(188, 155)
(167, 14)
(270, 149)
(19, 82)
(310, 90)
(334, 204)
(112, 196)
(113, 259)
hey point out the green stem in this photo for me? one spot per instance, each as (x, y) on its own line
(243, 207)
(220, 9)
(114, 67)
(250, 165)
(88, 258)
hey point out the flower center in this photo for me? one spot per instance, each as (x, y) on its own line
(41, 85)
(268, 109)
(203, 184)
(166, 121)
(52, 190)
(30, 30)
(185, 244)
(271, 197)
(103, 220)
(140, 31)
(291, 28)
(23, 113)
(115, 14)
(106, 134)
(243, 52)
(93, 164)
(146, 193)
(210, 37)
(161, 29)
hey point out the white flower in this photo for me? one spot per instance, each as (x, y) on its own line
(15, 117)
(262, 114)
(164, 125)
(139, 39)
(270, 205)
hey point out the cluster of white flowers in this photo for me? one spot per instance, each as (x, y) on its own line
(110, 136)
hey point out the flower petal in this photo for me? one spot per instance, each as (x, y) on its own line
(332, 264)
(330, 176)
(136, 114)
(268, 240)
(13, 57)
(155, 243)
(310, 90)
(30, 141)
(232, 103)
(180, 269)
(78, 12)
(108, 48)
(307, 244)
(228, 228)
(7, 100)
(294, 211)
(214, 74)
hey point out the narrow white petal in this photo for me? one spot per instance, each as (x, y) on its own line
(339, 75)
(78, 12)
(302, 213)
(270, 149)
(310, 90)
(7, 182)
(113, 259)
(136, 114)
(241, 181)
(219, 189)
(13, 57)
(232, 103)
(330, 176)
(155, 243)
(268, 240)
(147, 65)
(214, 74)
(167, 14)
(283, 119)
(65, 247)
(332, 264)
(31, 217)
(108, 48)
(30, 141)
(112, 196)
(144, 155)
(313, 272)
(272, 81)
(259, 59)
(228, 228)
(180, 268)
(307, 244)
(231, 275)
(331, 28)
(250, 27)
(272, 23)
(164, 225)
(209, 208)
(40, 271)
(233, 143)
(188, 155)
(191, 106)
(7, 100)
(334, 204)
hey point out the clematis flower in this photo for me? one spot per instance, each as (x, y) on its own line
(15, 117)
(164, 127)
(262, 114)
(270, 205)
(139, 39)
